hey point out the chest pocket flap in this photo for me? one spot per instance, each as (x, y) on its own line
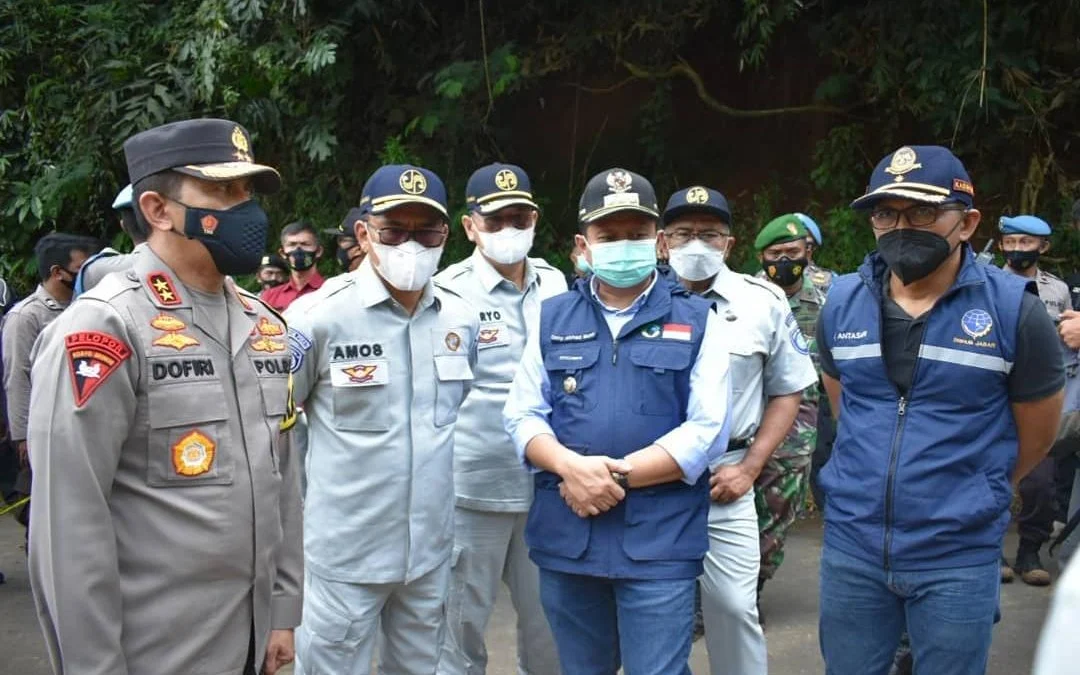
(661, 356)
(453, 368)
(572, 357)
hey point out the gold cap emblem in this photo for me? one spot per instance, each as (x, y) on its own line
(619, 181)
(240, 142)
(697, 195)
(506, 180)
(903, 161)
(413, 182)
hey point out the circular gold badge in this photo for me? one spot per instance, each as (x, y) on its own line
(413, 182)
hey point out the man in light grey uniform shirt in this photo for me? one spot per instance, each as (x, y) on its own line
(109, 260)
(505, 289)
(381, 359)
(166, 520)
(770, 367)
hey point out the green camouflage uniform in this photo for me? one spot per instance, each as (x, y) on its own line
(780, 490)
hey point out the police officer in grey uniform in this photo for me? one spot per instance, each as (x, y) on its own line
(505, 289)
(166, 512)
(770, 367)
(1024, 239)
(110, 260)
(382, 360)
(59, 257)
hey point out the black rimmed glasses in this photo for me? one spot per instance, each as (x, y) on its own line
(920, 215)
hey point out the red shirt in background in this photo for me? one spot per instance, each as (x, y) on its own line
(280, 297)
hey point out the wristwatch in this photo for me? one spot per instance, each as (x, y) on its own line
(621, 479)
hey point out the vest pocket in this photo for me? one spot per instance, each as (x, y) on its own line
(189, 438)
(656, 367)
(666, 523)
(572, 376)
(552, 527)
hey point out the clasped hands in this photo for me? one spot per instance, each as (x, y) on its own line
(587, 486)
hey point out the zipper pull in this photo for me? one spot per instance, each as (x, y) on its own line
(901, 407)
(614, 350)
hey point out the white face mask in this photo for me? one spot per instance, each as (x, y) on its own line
(507, 246)
(407, 267)
(696, 261)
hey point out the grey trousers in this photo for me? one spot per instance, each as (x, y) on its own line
(341, 624)
(733, 635)
(489, 550)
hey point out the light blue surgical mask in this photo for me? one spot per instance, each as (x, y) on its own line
(582, 265)
(625, 263)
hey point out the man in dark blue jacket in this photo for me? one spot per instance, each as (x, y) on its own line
(946, 377)
(616, 402)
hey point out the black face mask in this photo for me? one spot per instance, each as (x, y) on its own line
(1021, 260)
(913, 254)
(235, 237)
(345, 256)
(785, 271)
(70, 283)
(269, 283)
(301, 260)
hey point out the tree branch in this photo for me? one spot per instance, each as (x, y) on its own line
(684, 69)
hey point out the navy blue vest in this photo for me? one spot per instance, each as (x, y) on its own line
(614, 397)
(923, 482)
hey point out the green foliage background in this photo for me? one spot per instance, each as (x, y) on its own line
(782, 104)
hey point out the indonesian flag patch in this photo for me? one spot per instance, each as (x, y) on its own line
(676, 331)
(92, 357)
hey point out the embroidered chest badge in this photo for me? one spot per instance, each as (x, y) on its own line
(976, 323)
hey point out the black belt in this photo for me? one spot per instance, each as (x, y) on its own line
(740, 443)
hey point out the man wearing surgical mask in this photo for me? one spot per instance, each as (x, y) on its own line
(300, 249)
(382, 359)
(505, 288)
(769, 371)
(617, 400)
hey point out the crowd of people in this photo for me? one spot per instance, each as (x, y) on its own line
(349, 469)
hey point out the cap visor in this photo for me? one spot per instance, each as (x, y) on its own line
(265, 179)
(902, 191)
(604, 212)
(497, 204)
(678, 211)
(389, 203)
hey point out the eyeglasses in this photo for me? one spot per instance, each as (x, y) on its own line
(521, 220)
(919, 215)
(680, 237)
(396, 236)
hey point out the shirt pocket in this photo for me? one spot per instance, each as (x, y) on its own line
(361, 400)
(573, 378)
(452, 371)
(747, 367)
(189, 440)
(656, 365)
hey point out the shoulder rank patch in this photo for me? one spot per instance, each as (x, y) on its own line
(193, 454)
(92, 357)
(163, 289)
(269, 328)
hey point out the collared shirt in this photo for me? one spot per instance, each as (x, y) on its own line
(21, 327)
(769, 354)
(280, 297)
(528, 407)
(1053, 291)
(487, 475)
(381, 390)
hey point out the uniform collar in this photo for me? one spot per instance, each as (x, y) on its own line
(489, 276)
(721, 284)
(47, 299)
(373, 291)
(638, 302)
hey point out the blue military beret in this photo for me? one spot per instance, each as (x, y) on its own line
(697, 199)
(497, 186)
(123, 198)
(929, 174)
(810, 226)
(395, 185)
(1024, 225)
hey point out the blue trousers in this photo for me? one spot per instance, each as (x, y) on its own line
(644, 625)
(949, 614)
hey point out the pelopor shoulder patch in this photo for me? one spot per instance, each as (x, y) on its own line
(92, 357)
